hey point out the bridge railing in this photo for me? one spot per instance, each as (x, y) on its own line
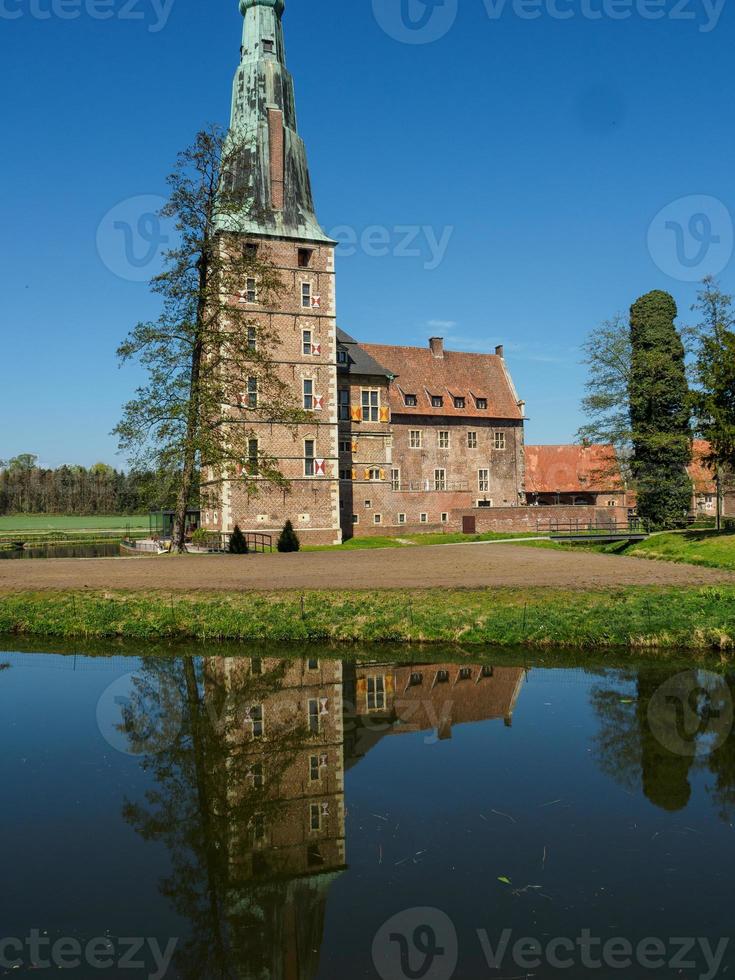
(598, 526)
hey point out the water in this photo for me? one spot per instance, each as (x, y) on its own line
(108, 549)
(324, 818)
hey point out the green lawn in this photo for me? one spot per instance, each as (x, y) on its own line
(58, 522)
(695, 547)
(409, 540)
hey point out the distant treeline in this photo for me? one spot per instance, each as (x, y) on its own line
(26, 488)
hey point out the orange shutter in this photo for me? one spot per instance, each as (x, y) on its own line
(382, 474)
(367, 474)
(384, 413)
(354, 474)
(356, 413)
(354, 446)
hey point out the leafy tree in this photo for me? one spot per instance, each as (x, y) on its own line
(607, 354)
(196, 412)
(288, 541)
(714, 375)
(238, 544)
(659, 412)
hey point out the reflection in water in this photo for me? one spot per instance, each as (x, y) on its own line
(249, 794)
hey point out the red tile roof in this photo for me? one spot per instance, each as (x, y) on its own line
(700, 474)
(572, 469)
(454, 375)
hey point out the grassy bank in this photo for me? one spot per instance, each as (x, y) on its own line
(636, 618)
(409, 540)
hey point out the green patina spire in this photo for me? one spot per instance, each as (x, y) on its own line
(263, 120)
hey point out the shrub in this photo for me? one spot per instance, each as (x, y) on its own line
(288, 540)
(238, 544)
(201, 538)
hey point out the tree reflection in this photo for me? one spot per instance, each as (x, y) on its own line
(251, 836)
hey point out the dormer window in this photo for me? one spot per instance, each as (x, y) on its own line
(268, 46)
(437, 401)
(411, 401)
(341, 356)
(482, 404)
(459, 403)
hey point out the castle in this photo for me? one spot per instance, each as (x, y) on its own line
(399, 439)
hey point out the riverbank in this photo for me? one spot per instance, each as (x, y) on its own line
(635, 618)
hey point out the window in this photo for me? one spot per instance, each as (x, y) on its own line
(355, 519)
(306, 345)
(308, 394)
(258, 826)
(256, 774)
(483, 480)
(416, 679)
(445, 518)
(487, 671)
(252, 338)
(312, 664)
(472, 440)
(371, 406)
(309, 465)
(251, 291)
(253, 457)
(440, 479)
(401, 518)
(368, 504)
(465, 673)
(459, 403)
(345, 474)
(268, 46)
(414, 439)
(342, 356)
(306, 295)
(377, 518)
(437, 401)
(252, 392)
(314, 716)
(256, 719)
(442, 676)
(500, 440)
(374, 474)
(424, 518)
(256, 665)
(444, 440)
(411, 401)
(304, 258)
(315, 816)
(343, 404)
(375, 693)
(395, 479)
(345, 446)
(250, 251)
(481, 404)
(314, 768)
(484, 503)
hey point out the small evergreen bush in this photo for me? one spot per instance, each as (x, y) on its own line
(288, 540)
(238, 544)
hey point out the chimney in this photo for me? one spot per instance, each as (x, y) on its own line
(499, 351)
(437, 346)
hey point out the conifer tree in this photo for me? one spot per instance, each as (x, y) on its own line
(288, 540)
(238, 543)
(714, 371)
(659, 412)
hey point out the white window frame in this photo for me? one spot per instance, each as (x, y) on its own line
(401, 518)
(308, 398)
(306, 295)
(307, 343)
(252, 338)
(440, 479)
(472, 439)
(345, 446)
(377, 518)
(415, 439)
(499, 442)
(315, 768)
(483, 482)
(252, 392)
(445, 518)
(315, 809)
(251, 290)
(344, 406)
(423, 518)
(375, 698)
(373, 410)
(309, 460)
(395, 478)
(309, 716)
(372, 471)
(443, 439)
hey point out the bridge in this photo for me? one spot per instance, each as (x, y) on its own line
(600, 531)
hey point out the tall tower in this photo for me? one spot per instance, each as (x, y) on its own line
(280, 219)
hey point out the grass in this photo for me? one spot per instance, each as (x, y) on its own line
(59, 522)
(643, 619)
(712, 549)
(407, 540)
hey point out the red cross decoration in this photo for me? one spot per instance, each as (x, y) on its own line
(318, 403)
(316, 350)
(316, 302)
(320, 468)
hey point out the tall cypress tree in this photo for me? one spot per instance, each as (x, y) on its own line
(659, 412)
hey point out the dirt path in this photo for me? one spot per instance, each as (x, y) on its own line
(458, 566)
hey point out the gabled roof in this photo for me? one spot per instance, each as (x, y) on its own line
(358, 359)
(572, 469)
(700, 474)
(418, 371)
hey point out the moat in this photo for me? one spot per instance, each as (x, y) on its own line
(312, 817)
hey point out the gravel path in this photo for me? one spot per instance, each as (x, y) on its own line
(450, 566)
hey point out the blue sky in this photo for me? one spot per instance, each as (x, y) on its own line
(539, 151)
